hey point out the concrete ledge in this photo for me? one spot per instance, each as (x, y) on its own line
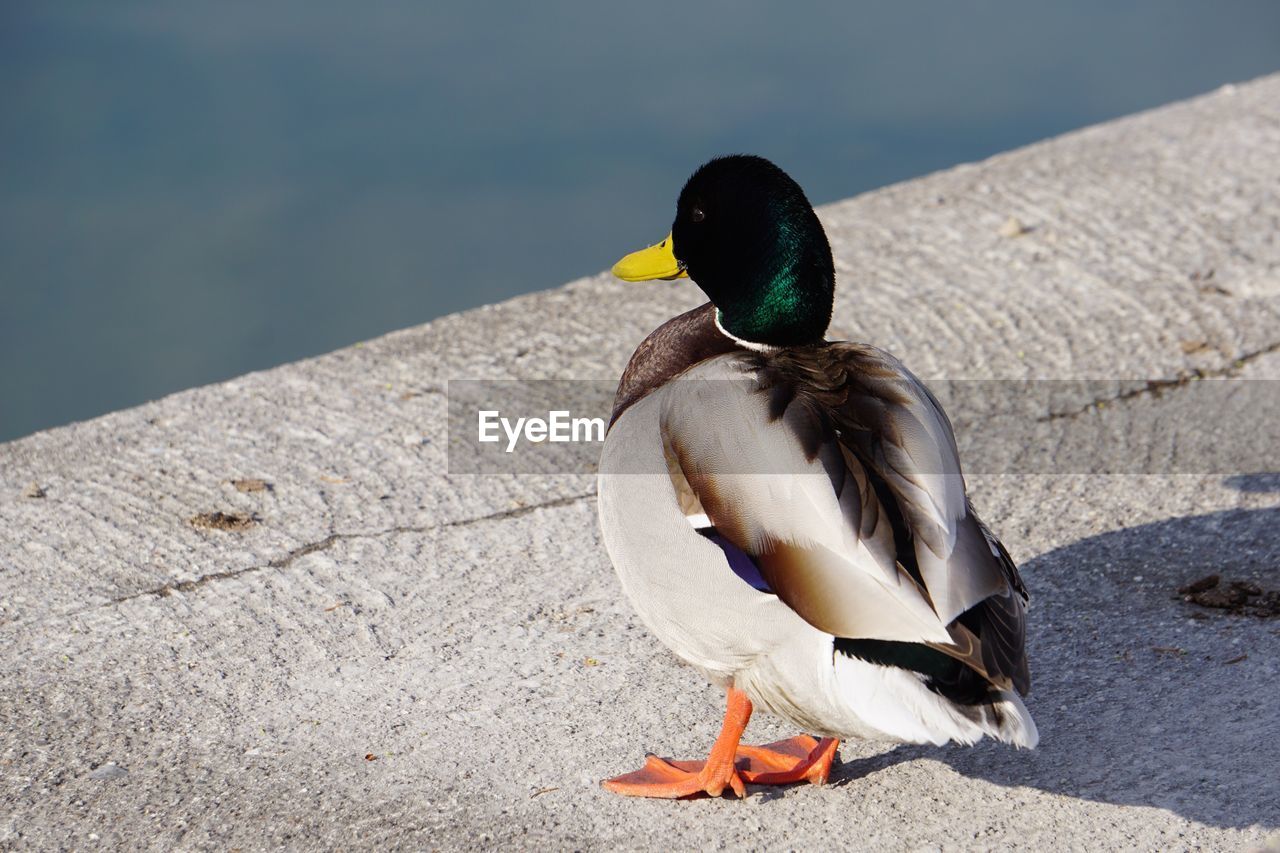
(390, 655)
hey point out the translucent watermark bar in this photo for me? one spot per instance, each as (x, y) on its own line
(1209, 426)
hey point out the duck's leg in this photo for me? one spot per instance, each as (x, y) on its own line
(672, 779)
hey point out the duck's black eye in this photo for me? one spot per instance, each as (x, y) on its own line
(696, 214)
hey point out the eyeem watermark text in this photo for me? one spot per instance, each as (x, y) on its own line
(558, 426)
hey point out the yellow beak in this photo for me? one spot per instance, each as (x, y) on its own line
(654, 262)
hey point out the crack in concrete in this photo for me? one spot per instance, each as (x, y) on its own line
(328, 542)
(521, 510)
(1154, 387)
(1151, 387)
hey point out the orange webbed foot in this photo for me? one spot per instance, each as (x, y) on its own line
(731, 764)
(796, 759)
(674, 779)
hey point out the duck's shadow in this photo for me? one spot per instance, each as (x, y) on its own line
(1141, 698)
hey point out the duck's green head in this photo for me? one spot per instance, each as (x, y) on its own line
(746, 234)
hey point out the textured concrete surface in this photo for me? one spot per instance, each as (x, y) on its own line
(389, 655)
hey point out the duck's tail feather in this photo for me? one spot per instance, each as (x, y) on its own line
(1004, 717)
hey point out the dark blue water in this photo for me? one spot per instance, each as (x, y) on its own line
(192, 190)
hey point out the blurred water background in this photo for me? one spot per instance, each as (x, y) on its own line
(189, 191)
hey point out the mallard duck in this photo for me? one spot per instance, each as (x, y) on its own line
(788, 515)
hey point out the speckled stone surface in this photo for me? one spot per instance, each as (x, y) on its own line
(365, 650)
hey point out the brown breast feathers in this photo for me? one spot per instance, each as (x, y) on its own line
(671, 349)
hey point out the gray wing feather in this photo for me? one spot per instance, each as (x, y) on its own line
(894, 427)
(868, 532)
